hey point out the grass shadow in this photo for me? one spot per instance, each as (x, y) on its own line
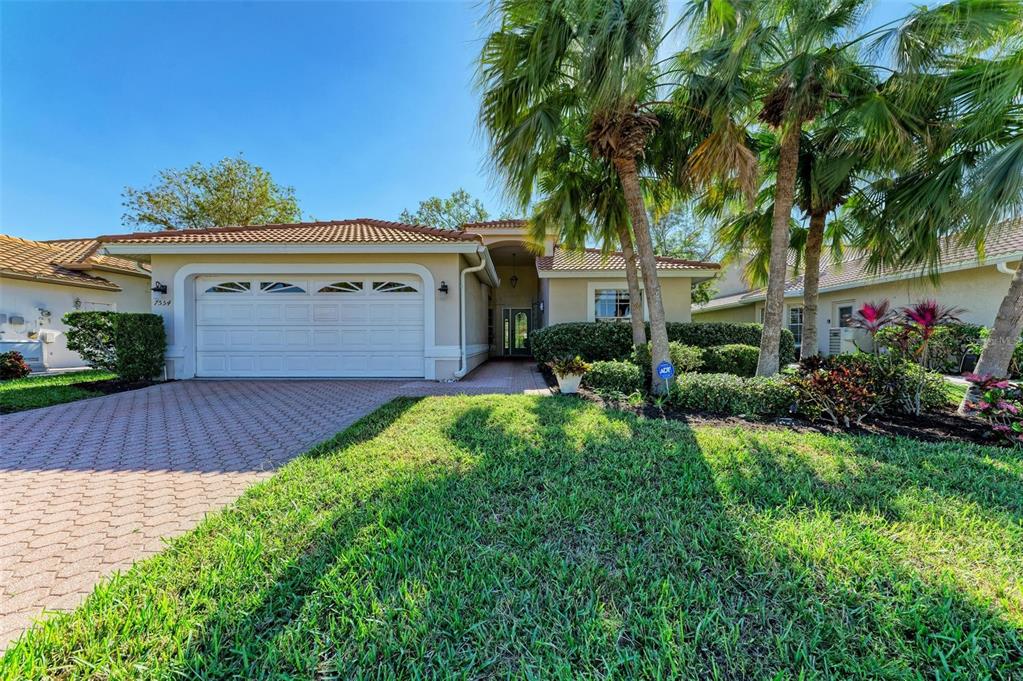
(545, 537)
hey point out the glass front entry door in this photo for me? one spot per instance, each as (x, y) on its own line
(517, 325)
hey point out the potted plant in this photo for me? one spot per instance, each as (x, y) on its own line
(569, 372)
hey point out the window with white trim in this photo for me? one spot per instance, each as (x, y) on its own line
(796, 323)
(280, 287)
(393, 287)
(230, 287)
(342, 287)
(611, 304)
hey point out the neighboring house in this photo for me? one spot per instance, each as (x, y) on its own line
(976, 285)
(40, 281)
(373, 298)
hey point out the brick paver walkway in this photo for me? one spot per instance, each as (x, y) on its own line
(89, 487)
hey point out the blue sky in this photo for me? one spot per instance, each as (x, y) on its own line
(365, 108)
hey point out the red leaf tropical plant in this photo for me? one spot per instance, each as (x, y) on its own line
(924, 318)
(872, 317)
(999, 405)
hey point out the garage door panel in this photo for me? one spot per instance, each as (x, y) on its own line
(360, 333)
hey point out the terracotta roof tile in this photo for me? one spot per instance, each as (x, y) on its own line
(510, 223)
(592, 259)
(81, 254)
(27, 259)
(335, 231)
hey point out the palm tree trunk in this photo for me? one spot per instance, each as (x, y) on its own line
(784, 188)
(811, 281)
(635, 294)
(994, 359)
(629, 176)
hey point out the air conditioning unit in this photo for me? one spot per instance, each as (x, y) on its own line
(844, 339)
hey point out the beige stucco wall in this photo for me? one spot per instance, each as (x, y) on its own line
(977, 291)
(24, 299)
(444, 267)
(571, 299)
(732, 314)
(477, 302)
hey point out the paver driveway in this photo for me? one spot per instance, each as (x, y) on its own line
(87, 488)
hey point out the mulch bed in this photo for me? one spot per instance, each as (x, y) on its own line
(941, 426)
(114, 385)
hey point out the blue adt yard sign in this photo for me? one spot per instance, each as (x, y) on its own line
(665, 370)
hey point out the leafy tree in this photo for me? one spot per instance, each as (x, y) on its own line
(229, 192)
(447, 213)
(679, 233)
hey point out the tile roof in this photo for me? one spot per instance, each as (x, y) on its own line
(1005, 242)
(335, 231)
(80, 254)
(27, 259)
(593, 259)
(508, 223)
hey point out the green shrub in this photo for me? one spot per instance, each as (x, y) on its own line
(1015, 363)
(734, 358)
(595, 341)
(730, 395)
(91, 335)
(569, 366)
(848, 388)
(12, 365)
(128, 343)
(684, 358)
(945, 351)
(139, 345)
(612, 377)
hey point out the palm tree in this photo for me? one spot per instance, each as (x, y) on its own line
(554, 64)
(964, 66)
(783, 61)
(583, 201)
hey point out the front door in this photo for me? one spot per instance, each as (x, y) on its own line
(517, 326)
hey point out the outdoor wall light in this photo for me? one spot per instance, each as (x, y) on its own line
(443, 287)
(159, 288)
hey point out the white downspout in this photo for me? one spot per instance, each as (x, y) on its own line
(1004, 268)
(463, 367)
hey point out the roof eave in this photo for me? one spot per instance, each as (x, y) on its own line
(620, 274)
(98, 284)
(137, 249)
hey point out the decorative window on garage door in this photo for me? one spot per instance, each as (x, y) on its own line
(230, 287)
(342, 287)
(393, 287)
(280, 287)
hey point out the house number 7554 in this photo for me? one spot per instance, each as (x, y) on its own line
(161, 303)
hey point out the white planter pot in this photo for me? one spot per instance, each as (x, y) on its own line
(569, 383)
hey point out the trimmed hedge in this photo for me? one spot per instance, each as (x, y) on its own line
(596, 341)
(734, 358)
(131, 344)
(12, 365)
(683, 357)
(730, 395)
(614, 378)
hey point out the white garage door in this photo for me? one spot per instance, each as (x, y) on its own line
(278, 325)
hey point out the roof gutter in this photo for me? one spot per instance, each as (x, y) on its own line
(485, 263)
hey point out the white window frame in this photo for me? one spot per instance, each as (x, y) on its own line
(591, 291)
(802, 322)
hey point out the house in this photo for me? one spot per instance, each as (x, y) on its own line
(975, 284)
(372, 298)
(40, 281)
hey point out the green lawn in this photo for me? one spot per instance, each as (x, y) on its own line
(544, 537)
(43, 391)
